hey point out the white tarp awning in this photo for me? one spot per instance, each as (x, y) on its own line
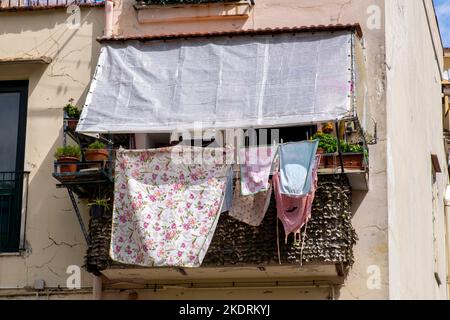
(220, 82)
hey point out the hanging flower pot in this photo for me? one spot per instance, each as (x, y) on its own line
(71, 115)
(72, 124)
(98, 208)
(97, 211)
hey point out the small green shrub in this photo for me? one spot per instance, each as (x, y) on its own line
(68, 151)
(97, 145)
(327, 142)
(100, 202)
(351, 148)
(71, 111)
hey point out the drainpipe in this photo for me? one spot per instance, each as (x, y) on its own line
(109, 14)
(97, 287)
(447, 237)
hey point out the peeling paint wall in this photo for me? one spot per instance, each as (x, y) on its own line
(53, 236)
(414, 127)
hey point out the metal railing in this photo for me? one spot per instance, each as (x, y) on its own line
(13, 204)
(17, 4)
(175, 2)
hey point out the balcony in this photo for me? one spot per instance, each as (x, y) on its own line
(237, 250)
(156, 11)
(325, 250)
(240, 251)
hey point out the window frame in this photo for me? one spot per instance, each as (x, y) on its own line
(21, 87)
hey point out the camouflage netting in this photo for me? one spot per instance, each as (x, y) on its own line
(97, 255)
(329, 235)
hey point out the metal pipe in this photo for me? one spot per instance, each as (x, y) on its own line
(109, 14)
(341, 158)
(97, 287)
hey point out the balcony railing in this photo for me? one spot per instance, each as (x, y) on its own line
(13, 191)
(175, 2)
(40, 4)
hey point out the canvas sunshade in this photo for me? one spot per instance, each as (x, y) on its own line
(220, 82)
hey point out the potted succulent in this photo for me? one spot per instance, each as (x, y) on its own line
(68, 154)
(71, 115)
(98, 207)
(327, 145)
(96, 151)
(352, 155)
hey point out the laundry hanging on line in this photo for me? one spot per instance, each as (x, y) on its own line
(255, 167)
(294, 211)
(250, 209)
(296, 165)
(228, 197)
(165, 213)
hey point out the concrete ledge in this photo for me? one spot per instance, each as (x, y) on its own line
(207, 11)
(27, 60)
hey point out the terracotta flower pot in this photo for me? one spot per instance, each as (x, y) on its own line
(64, 168)
(96, 155)
(353, 160)
(323, 159)
(72, 124)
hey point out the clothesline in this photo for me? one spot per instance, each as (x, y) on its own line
(165, 212)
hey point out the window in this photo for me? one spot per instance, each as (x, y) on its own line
(13, 110)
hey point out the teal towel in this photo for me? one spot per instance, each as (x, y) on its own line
(296, 165)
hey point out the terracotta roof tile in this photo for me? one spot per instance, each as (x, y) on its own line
(315, 28)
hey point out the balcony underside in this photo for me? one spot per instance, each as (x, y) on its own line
(227, 276)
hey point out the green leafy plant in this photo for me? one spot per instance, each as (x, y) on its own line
(71, 111)
(101, 203)
(68, 151)
(327, 142)
(351, 148)
(97, 145)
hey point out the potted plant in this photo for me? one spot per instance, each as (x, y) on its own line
(328, 128)
(71, 115)
(96, 151)
(98, 207)
(68, 154)
(327, 145)
(352, 155)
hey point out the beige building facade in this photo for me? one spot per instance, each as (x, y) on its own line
(400, 221)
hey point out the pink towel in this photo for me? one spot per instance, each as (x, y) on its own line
(294, 212)
(255, 169)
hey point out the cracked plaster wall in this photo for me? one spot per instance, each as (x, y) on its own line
(53, 236)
